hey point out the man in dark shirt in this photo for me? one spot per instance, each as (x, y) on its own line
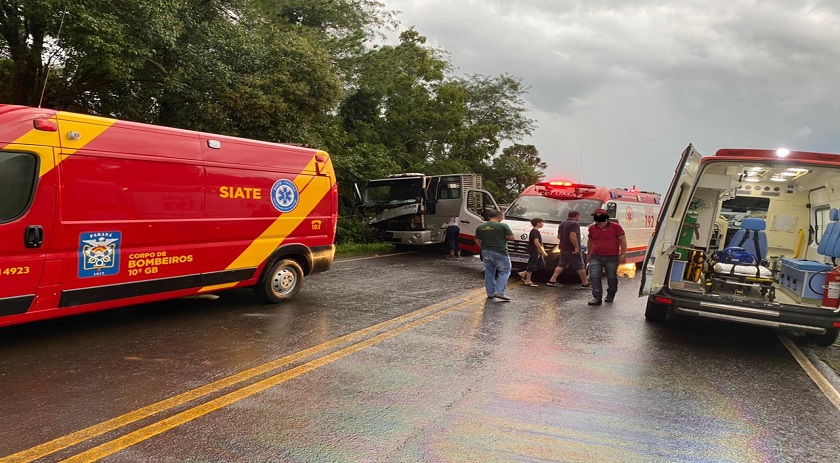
(570, 257)
(492, 237)
(607, 250)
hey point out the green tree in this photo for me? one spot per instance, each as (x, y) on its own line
(517, 167)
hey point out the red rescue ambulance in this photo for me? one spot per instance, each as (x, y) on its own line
(99, 213)
(552, 201)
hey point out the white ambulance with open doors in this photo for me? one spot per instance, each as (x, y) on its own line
(749, 236)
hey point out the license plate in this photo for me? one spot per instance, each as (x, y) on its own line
(515, 258)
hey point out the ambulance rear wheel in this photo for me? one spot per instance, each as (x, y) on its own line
(655, 312)
(281, 282)
(827, 339)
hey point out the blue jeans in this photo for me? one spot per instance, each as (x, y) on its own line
(494, 261)
(596, 266)
(452, 233)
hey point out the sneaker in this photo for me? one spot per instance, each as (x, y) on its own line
(503, 297)
(585, 286)
(594, 302)
(552, 283)
(609, 298)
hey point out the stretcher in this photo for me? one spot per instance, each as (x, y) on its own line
(740, 277)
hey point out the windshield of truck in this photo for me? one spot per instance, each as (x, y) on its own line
(393, 192)
(552, 210)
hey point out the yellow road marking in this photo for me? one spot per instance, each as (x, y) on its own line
(818, 378)
(114, 446)
(82, 435)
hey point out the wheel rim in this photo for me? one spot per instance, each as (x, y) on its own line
(284, 281)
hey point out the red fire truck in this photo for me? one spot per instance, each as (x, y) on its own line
(100, 213)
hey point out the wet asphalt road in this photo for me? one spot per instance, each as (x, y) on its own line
(403, 359)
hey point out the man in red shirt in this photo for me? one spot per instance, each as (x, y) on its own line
(607, 247)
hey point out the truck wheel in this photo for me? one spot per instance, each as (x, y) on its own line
(281, 282)
(826, 339)
(656, 312)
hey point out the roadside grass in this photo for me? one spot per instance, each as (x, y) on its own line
(830, 355)
(362, 249)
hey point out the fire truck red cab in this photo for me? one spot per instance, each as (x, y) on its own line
(100, 213)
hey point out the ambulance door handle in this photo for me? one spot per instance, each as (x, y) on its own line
(34, 236)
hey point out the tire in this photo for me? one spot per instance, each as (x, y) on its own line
(826, 339)
(281, 282)
(656, 312)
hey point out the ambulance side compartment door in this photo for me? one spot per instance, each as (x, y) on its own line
(27, 210)
(674, 205)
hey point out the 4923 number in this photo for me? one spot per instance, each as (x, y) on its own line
(14, 271)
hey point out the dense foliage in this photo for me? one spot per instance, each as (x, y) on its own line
(315, 72)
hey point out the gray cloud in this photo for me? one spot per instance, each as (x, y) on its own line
(626, 86)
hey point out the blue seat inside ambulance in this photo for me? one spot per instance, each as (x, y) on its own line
(751, 237)
(830, 242)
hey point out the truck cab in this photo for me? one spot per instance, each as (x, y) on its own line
(748, 236)
(412, 209)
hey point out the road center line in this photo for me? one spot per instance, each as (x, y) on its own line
(826, 387)
(91, 432)
(147, 432)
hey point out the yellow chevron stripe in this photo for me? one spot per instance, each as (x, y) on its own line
(316, 187)
(89, 127)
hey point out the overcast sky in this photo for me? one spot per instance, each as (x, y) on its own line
(619, 88)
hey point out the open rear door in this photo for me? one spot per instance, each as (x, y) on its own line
(662, 243)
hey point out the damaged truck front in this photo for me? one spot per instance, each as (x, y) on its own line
(412, 209)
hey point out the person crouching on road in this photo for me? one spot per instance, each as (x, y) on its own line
(492, 237)
(452, 233)
(607, 250)
(536, 252)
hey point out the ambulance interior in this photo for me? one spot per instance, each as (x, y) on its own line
(779, 213)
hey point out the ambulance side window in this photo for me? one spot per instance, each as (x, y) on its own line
(611, 207)
(18, 174)
(821, 221)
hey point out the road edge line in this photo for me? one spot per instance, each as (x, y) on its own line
(816, 376)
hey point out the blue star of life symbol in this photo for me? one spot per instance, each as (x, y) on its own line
(284, 195)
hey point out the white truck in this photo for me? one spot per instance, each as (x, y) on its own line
(412, 209)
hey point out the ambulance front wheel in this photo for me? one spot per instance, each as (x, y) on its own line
(281, 282)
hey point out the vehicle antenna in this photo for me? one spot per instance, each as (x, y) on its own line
(49, 61)
(580, 173)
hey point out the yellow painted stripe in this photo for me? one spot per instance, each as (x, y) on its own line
(82, 435)
(89, 127)
(218, 287)
(312, 190)
(116, 445)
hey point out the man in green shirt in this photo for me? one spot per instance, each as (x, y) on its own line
(492, 238)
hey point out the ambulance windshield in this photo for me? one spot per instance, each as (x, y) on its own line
(552, 210)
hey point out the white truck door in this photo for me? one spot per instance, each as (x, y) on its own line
(663, 241)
